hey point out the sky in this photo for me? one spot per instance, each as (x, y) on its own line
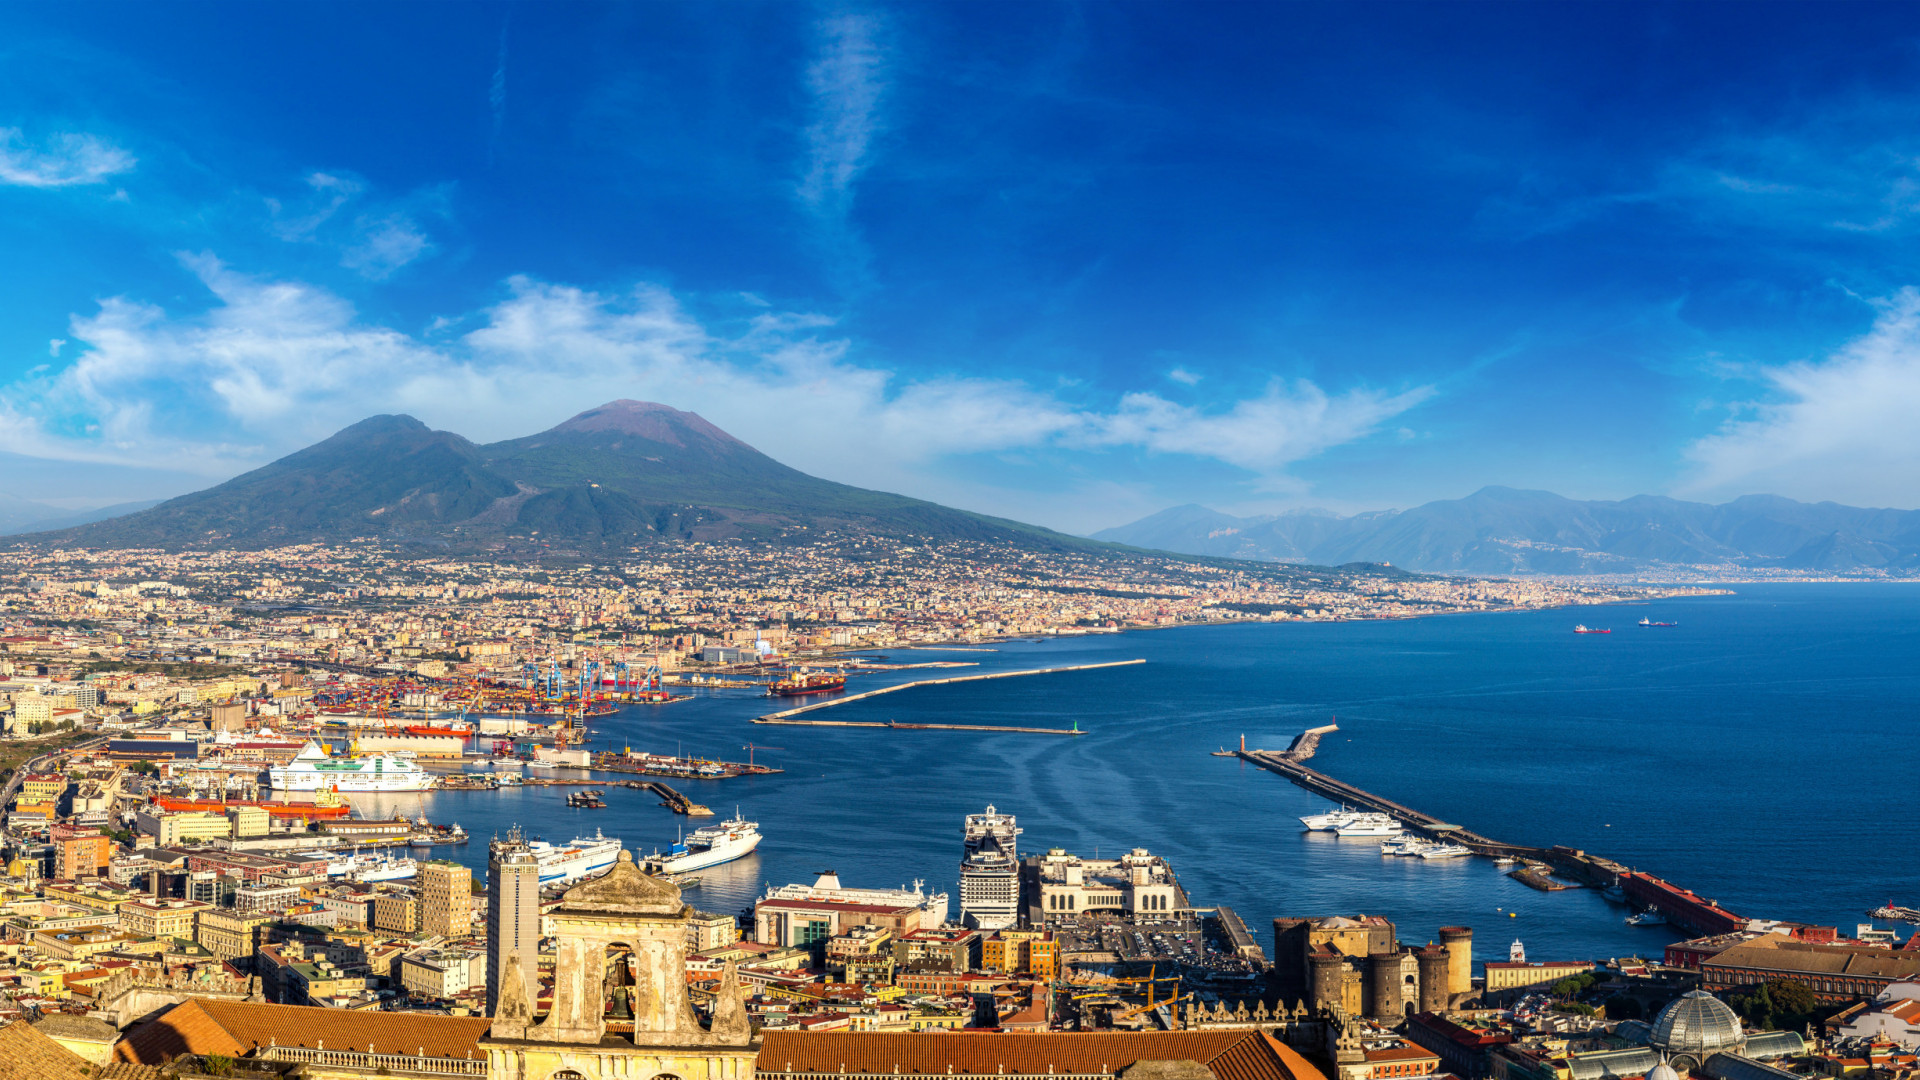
(1068, 263)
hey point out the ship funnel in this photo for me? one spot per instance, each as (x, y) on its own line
(827, 880)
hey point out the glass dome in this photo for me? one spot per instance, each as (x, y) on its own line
(1697, 1024)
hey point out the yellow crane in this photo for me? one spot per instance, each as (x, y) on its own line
(1138, 1009)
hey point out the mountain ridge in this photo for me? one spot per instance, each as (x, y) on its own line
(1499, 530)
(621, 473)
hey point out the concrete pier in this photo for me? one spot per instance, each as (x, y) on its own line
(784, 715)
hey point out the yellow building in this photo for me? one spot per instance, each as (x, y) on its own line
(162, 918)
(170, 829)
(446, 898)
(396, 913)
(1503, 976)
(228, 934)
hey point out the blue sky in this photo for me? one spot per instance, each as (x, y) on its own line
(1069, 263)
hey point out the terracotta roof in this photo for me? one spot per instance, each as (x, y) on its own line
(237, 1028)
(27, 1054)
(1232, 1055)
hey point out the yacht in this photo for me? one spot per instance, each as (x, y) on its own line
(1330, 820)
(1649, 917)
(1446, 851)
(1369, 825)
(1405, 845)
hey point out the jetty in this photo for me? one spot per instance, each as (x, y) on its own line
(785, 716)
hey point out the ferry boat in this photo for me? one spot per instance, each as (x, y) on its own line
(1329, 821)
(1446, 851)
(808, 682)
(1582, 629)
(583, 858)
(710, 845)
(1369, 825)
(314, 770)
(372, 866)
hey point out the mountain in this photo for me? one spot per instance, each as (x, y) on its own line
(56, 518)
(1500, 530)
(623, 473)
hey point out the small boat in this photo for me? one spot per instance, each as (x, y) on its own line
(1649, 917)
(1405, 845)
(1583, 629)
(1505, 860)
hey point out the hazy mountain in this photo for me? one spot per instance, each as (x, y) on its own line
(52, 517)
(18, 514)
(622, 473)
(1503, 531)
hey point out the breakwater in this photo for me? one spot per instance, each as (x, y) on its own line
(1682, 907)
(786, 715)
(1075, 730)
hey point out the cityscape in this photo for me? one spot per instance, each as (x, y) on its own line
(601, 540)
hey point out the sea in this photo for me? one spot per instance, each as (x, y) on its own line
(1761, 752)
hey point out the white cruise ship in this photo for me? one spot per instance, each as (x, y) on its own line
(933, 906)
(1369, 825)
(568, 863)
(314, 770)
(709, 845)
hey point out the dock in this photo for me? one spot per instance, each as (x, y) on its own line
(786, 715)
(1075, 730)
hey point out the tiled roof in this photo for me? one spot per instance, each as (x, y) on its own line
(27, 1054)
(1232, 1055)
(237, 1028)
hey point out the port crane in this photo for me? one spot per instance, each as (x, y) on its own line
(751, 747)
(1148, 1007)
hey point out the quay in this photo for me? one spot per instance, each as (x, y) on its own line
(785, 713)
(1075, 730)
(669, 798)
(1682, 907)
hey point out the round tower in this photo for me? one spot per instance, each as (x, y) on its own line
(1458, 941)
(1329, 974)
(1383, 987)
(1433, 979)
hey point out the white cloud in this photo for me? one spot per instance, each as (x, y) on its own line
(373, 244)
(277, 365)
(1841, 428)
(54, 346)
(384, 245)
(62, 161)
(847, 81)
(1184, 377)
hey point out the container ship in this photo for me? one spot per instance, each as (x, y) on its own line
(582, 858)
(808, 682)
(314, 770)
(710, 845)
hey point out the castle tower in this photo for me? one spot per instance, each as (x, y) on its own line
(1458, 941)
(1433, 979)
(623, 933)
(1328, 979)
(1384, 999)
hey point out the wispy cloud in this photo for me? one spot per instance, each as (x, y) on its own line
(847, 81)
(375, 243)
(276, 364)
(61, 161)
(1838, 428)
(497, 95)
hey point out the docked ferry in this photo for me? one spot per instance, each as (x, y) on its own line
(710, 845)
(582, 858)
(314, 770)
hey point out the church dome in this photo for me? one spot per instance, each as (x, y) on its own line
(1697, 1024)
(1663, 1071)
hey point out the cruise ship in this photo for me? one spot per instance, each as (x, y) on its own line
(933, 906)
(710, 845)
(314, 770)
(582, 858)
(990, 871)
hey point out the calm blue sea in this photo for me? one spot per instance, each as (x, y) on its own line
(1762, 752)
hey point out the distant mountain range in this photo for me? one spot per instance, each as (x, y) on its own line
(621, 474)
(19, 515)
(1500, 530)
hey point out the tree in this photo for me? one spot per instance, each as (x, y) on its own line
(1791, 998)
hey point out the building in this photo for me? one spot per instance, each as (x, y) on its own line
(229, 935)
(513, 914)
(1837, 974)
(443, 973)
(80, 853)
(446, 898)
(1514, 976)
(810, 922)
(162, 918)
(1237, 1054)
(705, 930)
(1893, 1016)
(397, 913)
(346, 1044)
(1137, 883)
(938, 948)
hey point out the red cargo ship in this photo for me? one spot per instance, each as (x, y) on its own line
(311, 811)
(808, 682)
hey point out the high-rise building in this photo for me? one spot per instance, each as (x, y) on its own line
(990, 872)
(446, 898)
(513, 914)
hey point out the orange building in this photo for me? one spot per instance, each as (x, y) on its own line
(80, 853)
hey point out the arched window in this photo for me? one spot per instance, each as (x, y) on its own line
(568, 1074)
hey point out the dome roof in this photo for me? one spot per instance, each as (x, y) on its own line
(1663, 1071)
(1696, 1023)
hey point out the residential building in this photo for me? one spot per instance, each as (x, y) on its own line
(230, 935)
(513, 913)
(397, 913)
(162, 918)
(446, 898)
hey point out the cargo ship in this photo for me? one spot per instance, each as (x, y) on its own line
(808, 682)
(321, 810)
(710, 845)
(1581, 629)
(1650, 622)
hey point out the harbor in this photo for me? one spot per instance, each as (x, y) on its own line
(786, 715)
